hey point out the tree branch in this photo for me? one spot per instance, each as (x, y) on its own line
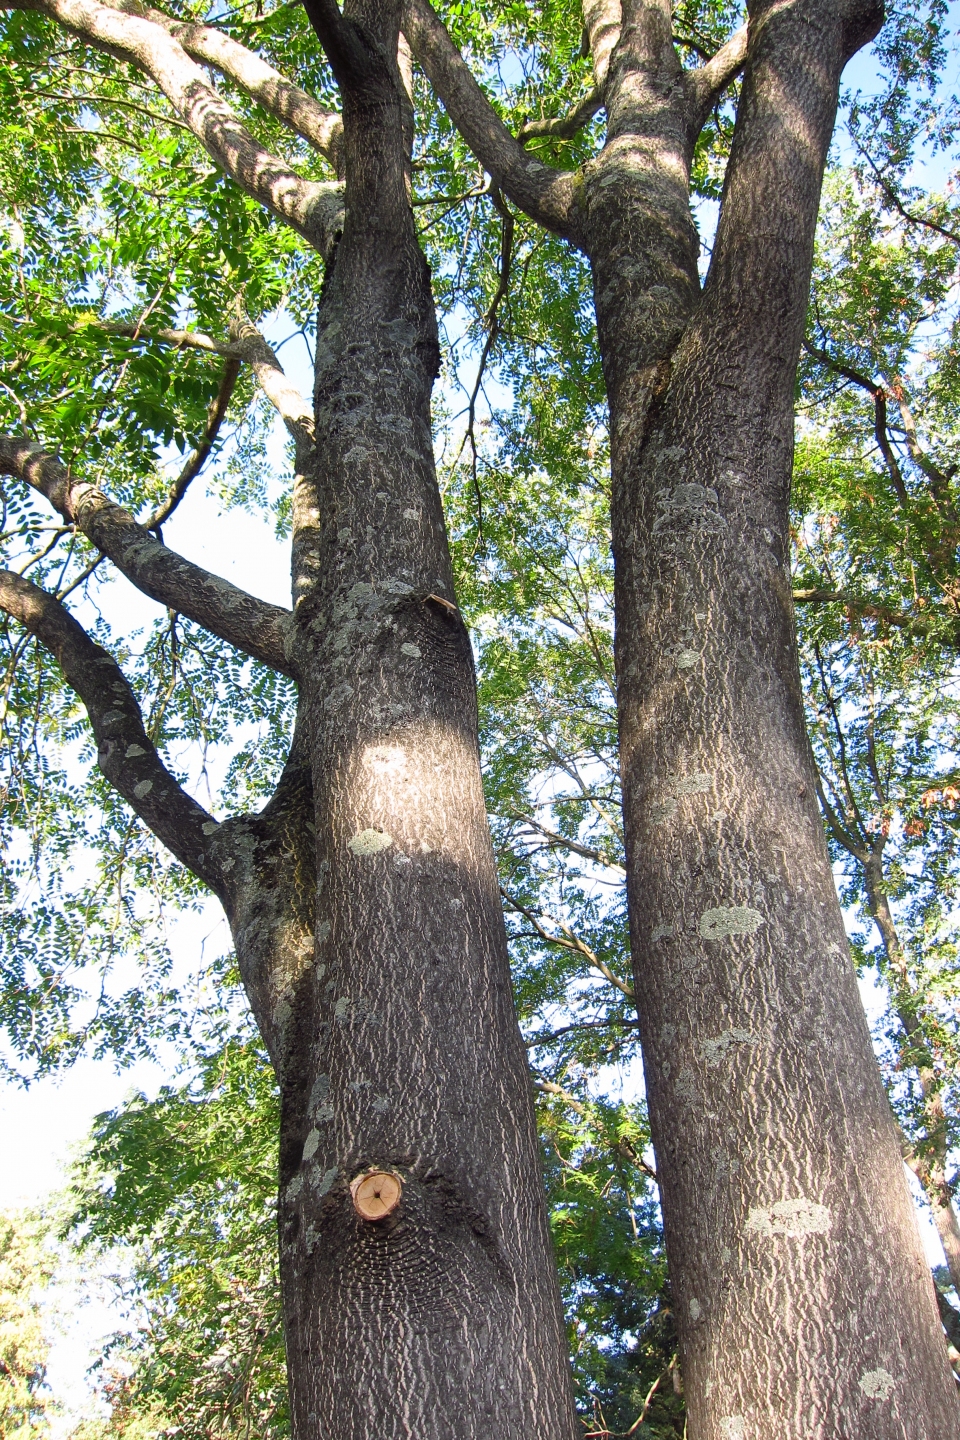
(587, 851)
(309, 207)
(253, 626)
(866, 609)
(568, 941)
(563, 127)
(545, 194)
(879, 396)
(195, 463)
(352, 60)
(601, 28)
(125, 753)
(248, 345)
(294, 410)
(707, 82)
(323, 129)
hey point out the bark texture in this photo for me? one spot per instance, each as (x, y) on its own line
(804, 1300)
(363, 900)
(393, 1030)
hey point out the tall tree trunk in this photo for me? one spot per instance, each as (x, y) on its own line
(804, 1302)
(394, 1033)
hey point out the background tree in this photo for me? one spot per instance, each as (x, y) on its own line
(26, 1267)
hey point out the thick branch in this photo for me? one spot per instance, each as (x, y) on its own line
(707, 83)
(253, 626)
(294, 410)
(125, 753)
(311, 208)
(352, 60)
(601, 25)
(546, 195)
(323, 129)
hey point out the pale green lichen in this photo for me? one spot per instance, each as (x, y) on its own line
(877, 1384)
(311, 1143)
(133, 750)
(328, 1178)
(792, 1218)
(370, 842)
(143, 788)
(696, 784)
(724, 920)
(715, 1049)
(408, 648)
(686, 659)
(733, 1428)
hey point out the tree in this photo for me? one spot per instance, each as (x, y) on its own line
(362, 899)
(728, 877)
(25, 1268)
(700, 388)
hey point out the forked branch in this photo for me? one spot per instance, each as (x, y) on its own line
(253, 626)
(125, 753)
(310, 207)
(545, 194)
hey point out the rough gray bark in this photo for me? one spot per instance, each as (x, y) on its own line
(803, 1300)
(396, 1041)
(363, 900)
(751, 1022)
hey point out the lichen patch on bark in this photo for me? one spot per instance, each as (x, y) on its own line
(724, 920)
(792, 1218)
(370, 842)
(877, 1384)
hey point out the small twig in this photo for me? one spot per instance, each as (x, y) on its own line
(492, 325)
(569, 941)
